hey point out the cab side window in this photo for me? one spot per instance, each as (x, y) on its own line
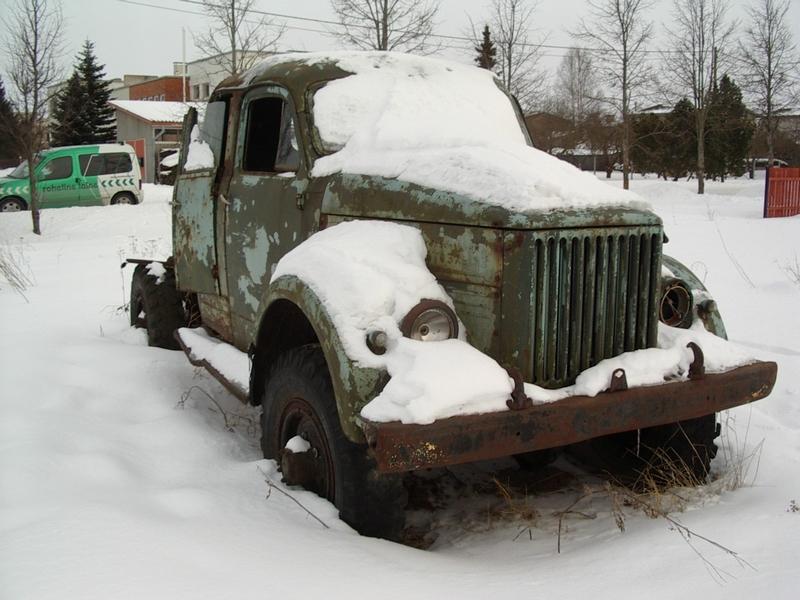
(270, 142)
(58, 168)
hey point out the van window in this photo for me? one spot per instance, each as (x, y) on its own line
(270, 144)
(105, 164)
(118, 162)
(58, 168)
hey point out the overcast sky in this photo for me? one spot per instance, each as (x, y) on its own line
(145, 40)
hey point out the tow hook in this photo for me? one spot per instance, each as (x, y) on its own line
(697, 369)
(518, 400)
(619, 381)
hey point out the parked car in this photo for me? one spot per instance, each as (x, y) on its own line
(759, 164)
(76, 176)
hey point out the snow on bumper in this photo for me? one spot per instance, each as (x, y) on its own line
(404, 447)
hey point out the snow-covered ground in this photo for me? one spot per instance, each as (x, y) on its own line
(127, 473)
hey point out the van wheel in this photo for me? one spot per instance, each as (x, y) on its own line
(298, 401)
(156, 307)
(124, 198)
(12, 205)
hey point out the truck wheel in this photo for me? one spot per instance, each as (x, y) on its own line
(156, 307)
(298, 401)
(676, 453)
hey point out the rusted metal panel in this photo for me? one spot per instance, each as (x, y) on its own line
(263, 222)
(397, 447)
(782, 192)
(216, 314)
(193, 224)
(382, 198)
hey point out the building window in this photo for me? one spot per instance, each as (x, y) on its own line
(204, 88)
(195, 92)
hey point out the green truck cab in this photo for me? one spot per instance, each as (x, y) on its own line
(99, 174)
(547, 293)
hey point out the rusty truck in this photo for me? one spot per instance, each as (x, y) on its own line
(546, 293)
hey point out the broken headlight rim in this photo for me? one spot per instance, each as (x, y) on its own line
(675, 306)
(430, 321)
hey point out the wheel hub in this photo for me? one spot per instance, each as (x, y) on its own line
(312, 469)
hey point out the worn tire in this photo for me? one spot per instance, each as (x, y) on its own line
(371, 503)
(124, 198)
(12, 204)
(667, 454)
(157, 307)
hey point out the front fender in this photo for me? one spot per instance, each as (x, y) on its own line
(713, 320)
(353, 385)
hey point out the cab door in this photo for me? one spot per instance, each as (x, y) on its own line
(264, 204)
(193, 233)
(56, 181)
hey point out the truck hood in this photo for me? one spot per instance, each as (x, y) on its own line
(372, 196)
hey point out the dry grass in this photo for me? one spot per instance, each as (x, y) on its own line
(740, 462)
(15, 268)
(792, 269)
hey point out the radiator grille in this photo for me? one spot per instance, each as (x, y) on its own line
(594, 297)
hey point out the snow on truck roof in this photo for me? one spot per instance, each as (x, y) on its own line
(434, 123)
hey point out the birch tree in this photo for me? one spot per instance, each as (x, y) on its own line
(33, 44)
(770, 64)
(405, 25)
(237, 37)
(617, 31)
(518, 54)
(576, 85)
(700, 48)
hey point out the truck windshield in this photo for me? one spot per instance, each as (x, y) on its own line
(414, 103)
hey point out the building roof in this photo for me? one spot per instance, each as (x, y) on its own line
(154, 111)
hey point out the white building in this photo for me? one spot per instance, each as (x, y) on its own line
(207, 73)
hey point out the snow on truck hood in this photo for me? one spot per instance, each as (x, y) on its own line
(443, 125)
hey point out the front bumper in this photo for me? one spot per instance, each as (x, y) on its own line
(397, 447)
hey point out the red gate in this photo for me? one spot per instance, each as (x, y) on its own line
(782, 192)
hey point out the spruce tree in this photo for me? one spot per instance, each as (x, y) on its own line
(82, 114)
(101, 114)
(729, 131)
(71, 117)
(680, 153)
(7, 151)
(486, 51)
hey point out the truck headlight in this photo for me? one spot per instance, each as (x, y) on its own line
(430, 321)
(675, 308)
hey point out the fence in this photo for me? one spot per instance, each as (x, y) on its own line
(782, 192)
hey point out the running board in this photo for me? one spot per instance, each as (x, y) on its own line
(227, 364)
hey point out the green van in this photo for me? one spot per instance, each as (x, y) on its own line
(76, 176)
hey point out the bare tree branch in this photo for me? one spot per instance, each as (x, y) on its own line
(618, 29)
(518, 55)
(236, 38)
(576, 85)
(404, 25)
(33, 44)
(770, 64)
(700, 48)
